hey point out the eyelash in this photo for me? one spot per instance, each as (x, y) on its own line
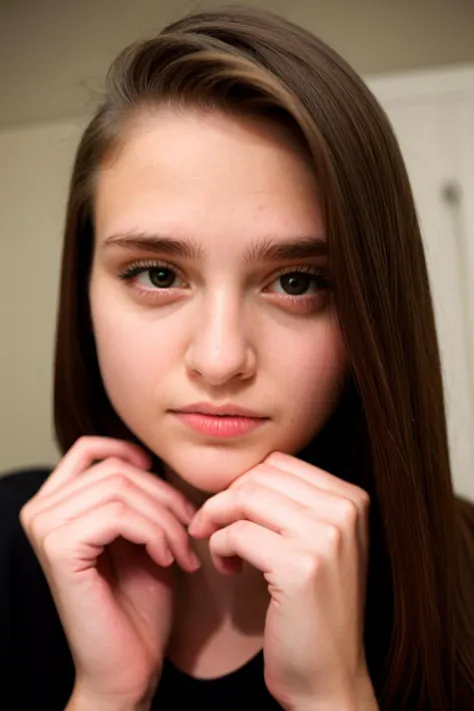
(136, 268)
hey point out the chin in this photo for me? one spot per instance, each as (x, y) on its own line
(210, 470)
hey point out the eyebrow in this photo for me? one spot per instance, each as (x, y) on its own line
(264, 250)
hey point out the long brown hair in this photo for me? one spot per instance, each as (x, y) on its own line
(389, 431)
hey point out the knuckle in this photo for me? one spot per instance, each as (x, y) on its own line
(118, 509)
(237, 529)
(259, 476)
(82, 441)
(275, 458)
(50, 547)
(243, 525)
(24, 515)
(247, 491)
(114, 462)
(256, 473)
(309, 568)
(160, 537)
(333, 538)
(36, 528)
(120, 482)
(349, 513)
(81, 450)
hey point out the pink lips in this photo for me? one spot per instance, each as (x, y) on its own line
(219, 421)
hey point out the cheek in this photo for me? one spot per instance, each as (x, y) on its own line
(314, 369)
(132, 354)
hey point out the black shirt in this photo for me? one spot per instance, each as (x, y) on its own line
(36, 668)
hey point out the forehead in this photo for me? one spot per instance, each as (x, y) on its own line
(206, 173)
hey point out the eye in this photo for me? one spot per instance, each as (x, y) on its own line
(152, 275)
(162, 277)
(302, 281)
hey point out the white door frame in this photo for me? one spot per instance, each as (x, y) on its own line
(456, 84)
(454, 87)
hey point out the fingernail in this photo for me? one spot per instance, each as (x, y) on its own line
(194, 525)
(168, 557)
(194, 560)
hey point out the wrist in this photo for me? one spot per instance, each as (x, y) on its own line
(333, 705)
(360, 698)
(365, 695)
(82, 700)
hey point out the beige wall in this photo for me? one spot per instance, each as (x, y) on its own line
(53, 53)
(35, 162)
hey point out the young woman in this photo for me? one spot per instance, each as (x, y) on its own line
(254, 508)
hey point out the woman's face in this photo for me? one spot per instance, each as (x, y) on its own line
(226, 301)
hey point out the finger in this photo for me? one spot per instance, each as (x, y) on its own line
(278, 513)
(288, 569)
(119, 488)
(313, 474)
(159, 489)
(85, 451)
(333, 508)
(326, 481)
(77, 544)
(286, 483)
(259, 546)
(256, 503)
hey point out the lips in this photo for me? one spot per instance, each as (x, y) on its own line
(224, 410)
(218, 421)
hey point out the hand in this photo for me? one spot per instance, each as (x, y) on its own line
(114, 597)
(307, 531)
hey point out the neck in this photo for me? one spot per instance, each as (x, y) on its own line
(236, 598)
(218, 619)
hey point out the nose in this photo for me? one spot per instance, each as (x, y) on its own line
(219, 349)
